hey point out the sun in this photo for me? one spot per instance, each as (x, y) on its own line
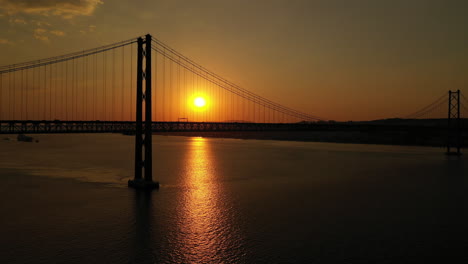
(199, 102)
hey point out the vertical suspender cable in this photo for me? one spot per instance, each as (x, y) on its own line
(85, 88)
(34, 98)
(44, 93)
(50, 93)
(164, 86)
(122, 86)
(131, 82)
(218, 103)
(72, 89)
(155, 86)
(211, 99)
(55, 91)
(9, 97)
(21, 95)
(66, 90)
(104, 92)
(185, 93)
(13, 116)
(94, 85)
(179, 94)
(59, 90)
(264, 114)
(80, 90)
(38, 94)
(231, 106)
(1, 97)
(170, 110)
(77, 88)
(192, 93)
(113, 86)
(197, 91)
(73, 95)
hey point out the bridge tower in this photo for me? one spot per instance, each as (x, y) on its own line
(143, 134)
(454, 125)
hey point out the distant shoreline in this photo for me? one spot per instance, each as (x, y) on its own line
(354, 137)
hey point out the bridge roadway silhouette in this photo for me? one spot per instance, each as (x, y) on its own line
(129, 127)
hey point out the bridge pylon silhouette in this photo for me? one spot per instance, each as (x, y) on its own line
(454, 124)
(143, 134)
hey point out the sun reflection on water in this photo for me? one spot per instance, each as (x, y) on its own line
(205, 230)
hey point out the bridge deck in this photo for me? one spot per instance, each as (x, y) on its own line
(56, 126)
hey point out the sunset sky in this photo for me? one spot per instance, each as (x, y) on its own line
(342, 60)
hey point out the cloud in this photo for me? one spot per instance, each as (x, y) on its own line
(40, 34)
(41, 23)
(5, 41)
(64, 8)
(89, 29)
(44, 35)
(18, 21)
(57, 33)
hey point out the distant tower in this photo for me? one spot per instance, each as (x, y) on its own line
(454, 124)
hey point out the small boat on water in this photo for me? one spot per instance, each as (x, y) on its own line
(24, 138)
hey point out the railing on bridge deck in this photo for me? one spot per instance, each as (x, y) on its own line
(128, 127)
(56, 126)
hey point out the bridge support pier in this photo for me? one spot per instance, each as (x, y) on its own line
(143, 139)
(454, 125)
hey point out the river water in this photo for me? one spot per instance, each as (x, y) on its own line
(65, 200)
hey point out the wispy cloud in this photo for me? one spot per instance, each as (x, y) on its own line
(40, 23)
(57, 33)
(40, 34)
(44, 34)
(5, 41)
(39, 15)
(90, 29)
(64, 8)
(18, 21)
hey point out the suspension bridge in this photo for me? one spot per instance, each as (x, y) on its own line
(141, 86)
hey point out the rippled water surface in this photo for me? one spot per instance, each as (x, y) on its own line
(65, 200)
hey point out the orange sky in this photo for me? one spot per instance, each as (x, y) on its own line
(342, 60)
